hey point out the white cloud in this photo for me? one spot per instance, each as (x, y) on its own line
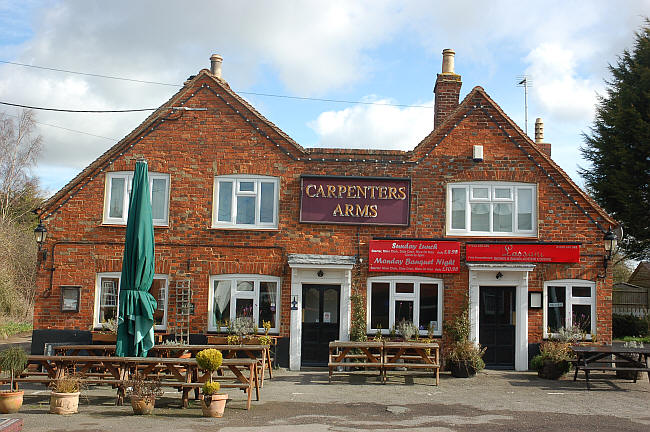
(374, 126)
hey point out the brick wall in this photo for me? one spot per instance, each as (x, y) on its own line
(195, 146)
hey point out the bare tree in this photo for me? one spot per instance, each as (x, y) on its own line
(20, 147)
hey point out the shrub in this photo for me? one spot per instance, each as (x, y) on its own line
(467, 351)
(209, 359)
(140, 387)
(458, 329)
(69, 383)
(210, 388)
(553, 351)
(407, 329)
(14, 361)
(628, 325)
(264, 340)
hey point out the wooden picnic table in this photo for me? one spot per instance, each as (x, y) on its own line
(258, 352)
(384, 356)
(182, 373)
(601, 358)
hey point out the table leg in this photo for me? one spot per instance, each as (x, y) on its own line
(268, 361)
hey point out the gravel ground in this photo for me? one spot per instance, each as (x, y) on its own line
(304, 401)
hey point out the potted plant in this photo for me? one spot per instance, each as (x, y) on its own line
(64, 398)
(553, 359)
(465, 357)
(13, 361)
(213, 403)
(407, 329)
(143, 394)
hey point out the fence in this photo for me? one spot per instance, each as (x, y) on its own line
(631, 300)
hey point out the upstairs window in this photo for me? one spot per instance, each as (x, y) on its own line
(492, 209)
(118, 192)
(245, 202)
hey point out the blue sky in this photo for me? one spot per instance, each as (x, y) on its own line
(380, 50)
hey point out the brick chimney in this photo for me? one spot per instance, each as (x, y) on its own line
(447, 89)
(539, 137)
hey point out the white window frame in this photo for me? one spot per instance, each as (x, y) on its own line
(415, 297)
(570, 300)
(254, 295)
(491, 201)
(118, 276)
(128, 178)
(257, 188)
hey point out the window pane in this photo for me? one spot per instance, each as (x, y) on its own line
(246, 186)
(245, 210)
(108, 297)
(581, 317)
(311, 306)
(480, 217)
(266, 202)
(221, 305)
(502, 218)
(245, 285)
(330, 306)
(458, 202)
(225, 202)
(403, 310)
(402, 287)
(525, 209)
(480, 193)
(116, 206)
(379, 297)
(268, 296)
(243, 308)
(580, 291)
(159, 291)
(159, 199)
(556, 308)
(502, 193)
(428, 306)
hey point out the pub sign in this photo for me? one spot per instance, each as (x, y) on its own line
(355, 200)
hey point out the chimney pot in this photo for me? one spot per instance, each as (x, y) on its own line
(215, 65)
(448, 61)
(539, 130)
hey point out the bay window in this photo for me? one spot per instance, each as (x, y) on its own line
(392, 299)
(245, 202)
(492, 209)
(107, 290)
(254, 296)
(569, 303)
(118, 192)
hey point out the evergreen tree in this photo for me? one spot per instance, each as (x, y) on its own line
(618, 147)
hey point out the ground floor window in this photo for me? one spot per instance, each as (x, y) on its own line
(395, 298)
(569, 303)
(254, 296)
(107, 299)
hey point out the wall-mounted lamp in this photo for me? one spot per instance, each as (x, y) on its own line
(320, 273)
(294, 302)
(499, 275)
(610, 246)
(40, 235)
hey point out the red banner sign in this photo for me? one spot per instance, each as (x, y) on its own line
(547, 253)
(414, 256)
(355, 200)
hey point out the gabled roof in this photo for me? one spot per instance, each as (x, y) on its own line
(467, 105)
(641, 275)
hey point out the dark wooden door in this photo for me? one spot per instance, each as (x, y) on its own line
(497, 326)
(320, 322)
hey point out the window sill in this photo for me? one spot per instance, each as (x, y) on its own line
(224, 228)
(492, 237)
(123, 225)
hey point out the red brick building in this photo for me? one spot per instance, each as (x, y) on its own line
(257, 225)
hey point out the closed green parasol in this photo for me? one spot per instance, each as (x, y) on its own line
(136, 305)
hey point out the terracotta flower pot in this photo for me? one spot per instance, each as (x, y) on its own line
(143, 405)
(11, 401)
(64, 403)
(213, 405)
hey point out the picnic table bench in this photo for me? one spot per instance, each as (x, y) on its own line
(384, 356)
(181, 373)
(601, 358)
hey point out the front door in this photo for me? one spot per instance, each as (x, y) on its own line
(320, 322)
(497, 326)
